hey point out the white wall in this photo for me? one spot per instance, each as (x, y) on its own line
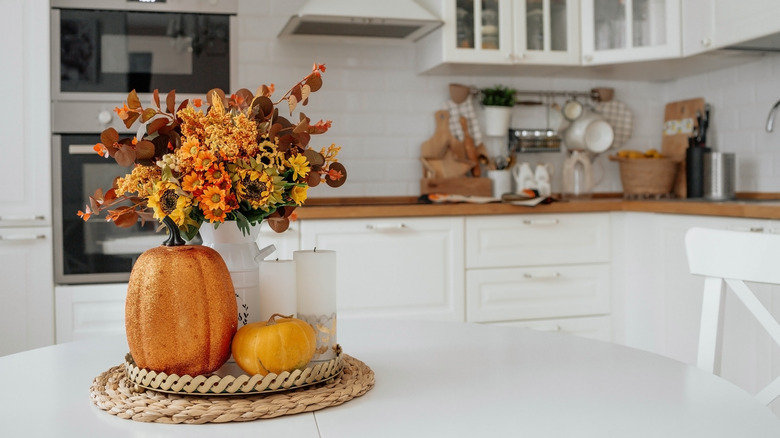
(382, 110)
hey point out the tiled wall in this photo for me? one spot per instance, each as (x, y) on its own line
(382, 110)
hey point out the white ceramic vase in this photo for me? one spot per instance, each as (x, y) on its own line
(242, 257)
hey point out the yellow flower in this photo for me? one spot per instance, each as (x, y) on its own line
(298, 194)
(299, 165)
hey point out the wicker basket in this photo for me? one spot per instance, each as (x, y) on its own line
(648, 177)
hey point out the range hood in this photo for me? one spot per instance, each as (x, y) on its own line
(396, 19)
(769, 43)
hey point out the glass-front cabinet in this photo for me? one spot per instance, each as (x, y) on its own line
(615, 31)
(501, 32)
(546, 32)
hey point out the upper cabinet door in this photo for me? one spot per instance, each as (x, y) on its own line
(479, 31)
(615, 31)
(26, 199)
(714, 24)
(547, 32)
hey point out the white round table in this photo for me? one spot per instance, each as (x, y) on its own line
(432, 379)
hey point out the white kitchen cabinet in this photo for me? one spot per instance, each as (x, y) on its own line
(88, 311)
(714, 24)
(285, 242)
(26, 198)
(26, 250)
(27, 315)
(535, 269)
(501, 33)
(618, 31)
(594, 327)
(394, 267)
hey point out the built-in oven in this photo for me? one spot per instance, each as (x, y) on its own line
(101, 50)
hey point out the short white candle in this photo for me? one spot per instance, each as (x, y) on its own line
(278, 291)
(316, 284)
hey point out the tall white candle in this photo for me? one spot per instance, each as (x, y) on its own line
(278, 291)
(316, 284)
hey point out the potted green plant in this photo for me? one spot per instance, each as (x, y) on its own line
(497, 102)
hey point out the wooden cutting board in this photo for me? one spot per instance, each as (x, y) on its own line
(679, 124)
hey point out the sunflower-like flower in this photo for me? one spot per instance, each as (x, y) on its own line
(254, 187)
(168, 199)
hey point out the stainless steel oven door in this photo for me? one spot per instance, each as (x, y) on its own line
(96, 251)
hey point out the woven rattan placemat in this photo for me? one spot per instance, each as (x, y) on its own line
(111, 392)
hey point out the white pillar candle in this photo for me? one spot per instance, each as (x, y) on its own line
(316, 284)
(278, 291)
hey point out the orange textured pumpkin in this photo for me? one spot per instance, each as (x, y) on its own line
(274, 346)
(180, 311)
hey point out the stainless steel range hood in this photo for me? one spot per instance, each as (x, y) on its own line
(397, 19)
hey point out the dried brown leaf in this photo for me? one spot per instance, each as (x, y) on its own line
(125, 155)
(292, 101)
(170, 101)
(156, 98)
(148, 114)
(155, 125)
(314, 82)
(144, 150)
(109, 136)
(133, 102)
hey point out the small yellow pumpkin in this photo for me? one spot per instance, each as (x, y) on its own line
(280, 344)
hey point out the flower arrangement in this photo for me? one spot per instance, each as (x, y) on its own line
(234, 159)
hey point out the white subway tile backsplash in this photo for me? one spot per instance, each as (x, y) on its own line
(382, 110)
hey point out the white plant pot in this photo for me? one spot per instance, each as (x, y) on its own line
(497, 120)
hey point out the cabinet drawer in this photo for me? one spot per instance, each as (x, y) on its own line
(537, 240)
(592, 327)
(394, 267)
(537, 292)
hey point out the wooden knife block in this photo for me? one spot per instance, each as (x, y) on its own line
(457, 186)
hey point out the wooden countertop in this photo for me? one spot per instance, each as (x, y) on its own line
(760, 207)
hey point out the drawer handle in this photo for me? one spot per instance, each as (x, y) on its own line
(22, 218)
(382, 227)
(540, 221)
(22, 237)
(745, 228)
(547, 328)
(539, 275)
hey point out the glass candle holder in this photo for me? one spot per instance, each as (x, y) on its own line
(316, 293)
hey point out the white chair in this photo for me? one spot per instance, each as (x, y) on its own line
(731, 258)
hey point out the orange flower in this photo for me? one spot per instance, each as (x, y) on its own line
(192, 183)
(215, 215)
(197, 102)
(216, 174)
(204, 160)
(213, 198)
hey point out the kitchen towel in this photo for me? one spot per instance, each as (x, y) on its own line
(619, 116)
(464, 109)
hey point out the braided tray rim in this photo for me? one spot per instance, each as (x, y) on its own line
(233, 383)
(113, 393)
